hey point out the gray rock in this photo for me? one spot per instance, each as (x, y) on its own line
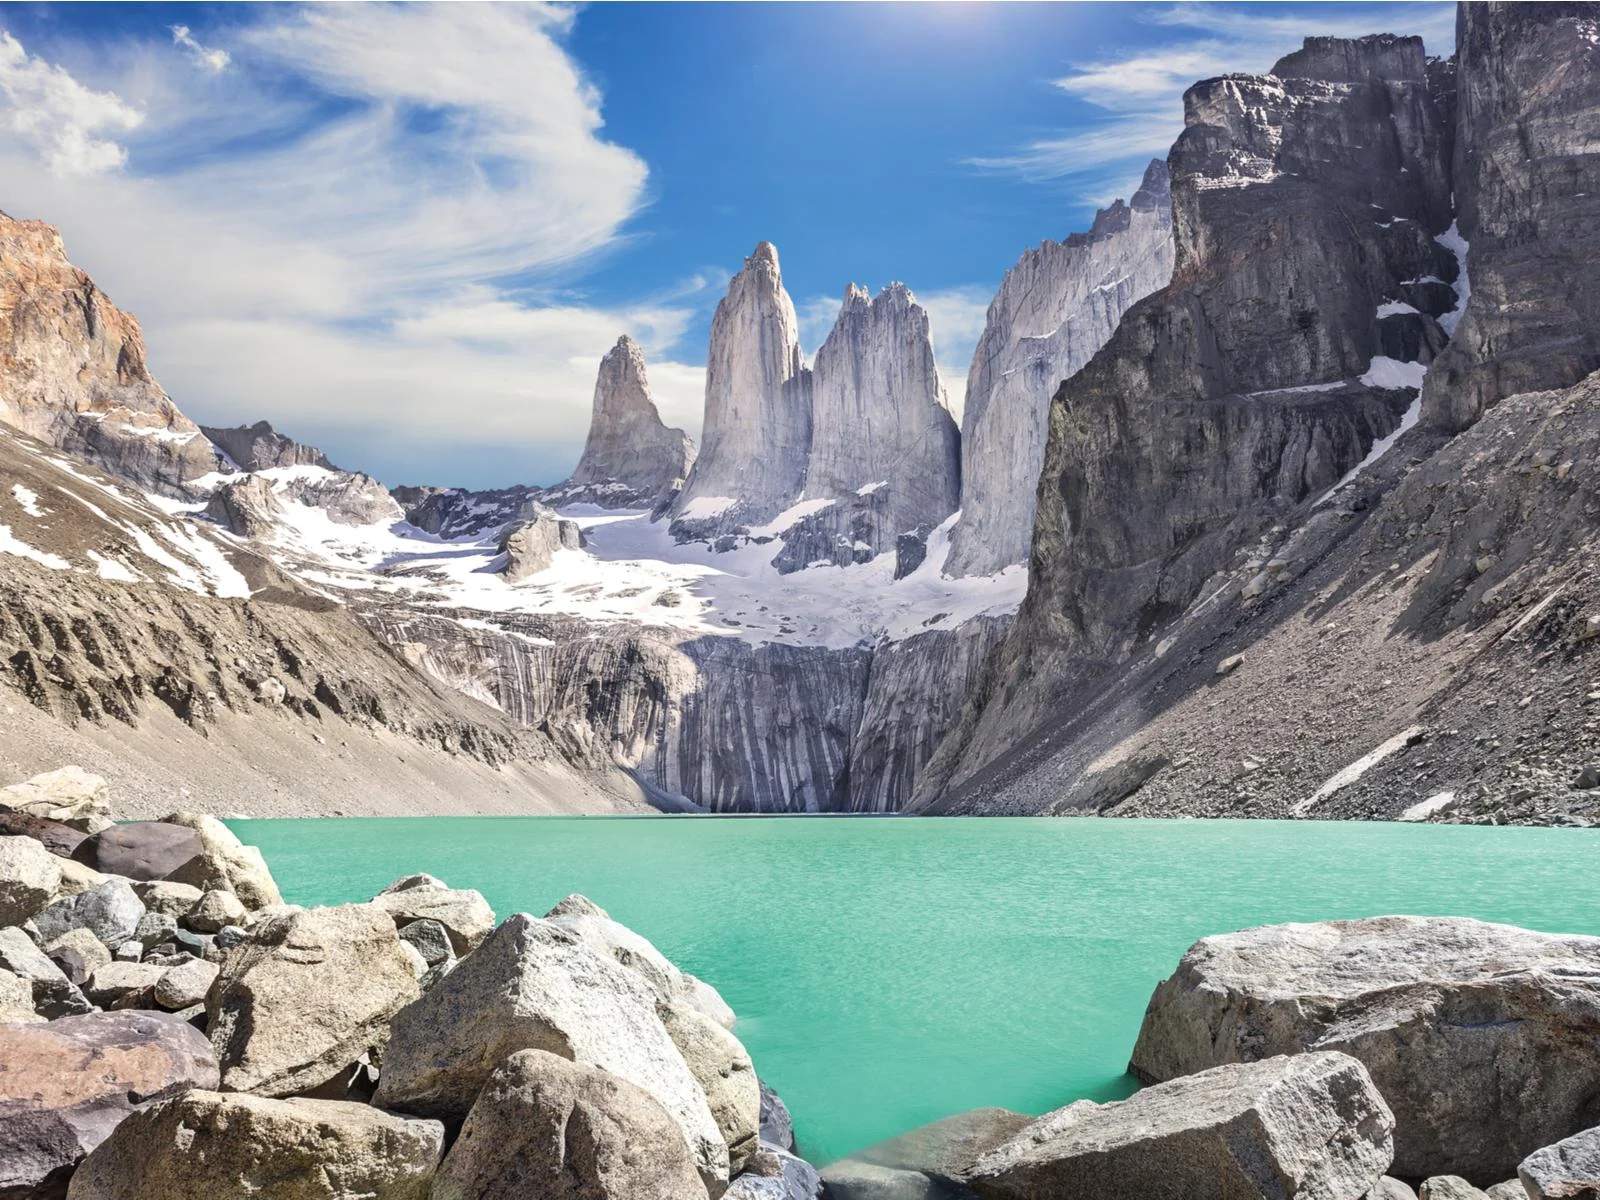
(777, 1127)
(185, 984)
(166, 897)
(110, 911)
(775, 1174)
(934, 1162)
(246, 506)
(1464, 1026)
(1587, 777)
(1055, 308)
(543, 1126)
(225, 864)
(430, 940)
(130, 951)
(16, 999)
(54, 995)
(260, 447)
(67, 1084)
(1567, 1170)
(61, 840)
(142, 850)
(464, 913)
(721, 1066)
(206, 1145)
(531, 543)
(78, 953)
(304, 996)
(214, 912)
(1389, 1188)
(1309, 1125)
(1448, 1187)
(534, 985)
(123, 984)
(1510, 1189)
(228, 937)
(29, 878)
(154, 928)
(68, 795)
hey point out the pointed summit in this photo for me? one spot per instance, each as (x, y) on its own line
(631, 456)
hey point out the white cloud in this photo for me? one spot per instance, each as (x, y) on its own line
(210, 59)
(1140, 92)
(73, 129)
(360, 230)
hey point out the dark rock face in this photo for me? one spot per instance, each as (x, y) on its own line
(61, 840)
(1527, 180)
(1302, 203)
(67, 1084)
(934, 1162)
(142, 850)
(260, 447)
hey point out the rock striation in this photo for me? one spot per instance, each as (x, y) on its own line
(73, 373)
(756, 439)
(1055, 308)
(631, 459)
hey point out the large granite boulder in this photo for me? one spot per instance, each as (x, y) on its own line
(533, 985)
(722, 1067)
(304, 995)
(54, 995)
(206, 1145)
(140, 850)
(1310, 1125)
(65, 1085)
(225, 863)
(68, 795)
(16, 999)
(166, 897)
(464, 913)
(29, 878)
(124, 985)
(1568, 1170)
(110, 911)
(1484, 1039)
(559, 1130)
(934, 1162)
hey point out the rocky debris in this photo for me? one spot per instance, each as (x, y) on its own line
(224, 863)
(1448, 1187)
(1568, 1170)
(204, 1145)
(756, 438)
(1054, 310)
(54, 995)
(260, 447)
(74, 372)
(545, 1126)
(66, 1085)
(305, 995)
(463, 912)
(879, 422)
(1389, 1188)
(140, 850)
(30, 876)
(1510, 1189)
(166, 897)
(246, 506)
(1306, 1125)
(631, 459)
(1471, 1031)
(722, 1067)
(934, 1162)
(69, 795)
(185, 984)
(110, 911)
(530, 545)
(124, 984)
(459, 512)
(534, 985)
(78, 953)
(214, 912)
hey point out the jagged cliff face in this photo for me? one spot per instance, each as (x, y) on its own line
(1054, 309)
(878, 415)
(630, 457)
(1305, 204)
(72, 369)
(260, 447)
(1527, 180)
(756, 439)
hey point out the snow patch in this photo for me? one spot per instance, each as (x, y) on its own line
(28, 498)
(1424, 809)
(21, 549)
(1395, 308)
(111, 568)
(1360, 767)
(868, 488)
(789, 518)
(703, 508)
(1452, 241)
(1385, 372)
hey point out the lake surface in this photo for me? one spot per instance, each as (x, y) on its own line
(888, 972)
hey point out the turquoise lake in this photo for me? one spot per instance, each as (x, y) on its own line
(888, 972)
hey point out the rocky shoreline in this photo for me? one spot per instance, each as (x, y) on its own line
(170, 1028)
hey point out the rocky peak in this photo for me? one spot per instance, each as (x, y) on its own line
(1054, 309)
(756, 437)
(73, 372)
(260, 447)
(1379, 56)
(630, 457)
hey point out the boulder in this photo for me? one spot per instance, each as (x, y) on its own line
(154, 928)
(933, 1162)
(76, 878)
(1308, 1125)
(1509, 1189)
(123, 985)
(29, 878)
(533, 985)
(78, 953)
(225, 863)
(16, 999)
(166, 897)
(708, 1000)
(1448, 1187)
(65, 1085)
(69, 795)
(54, 995)
(722, 1068)
(61, 840)
(777, 1127)
(206, 1145)
(305, 995)
(215, 912)
(110, 911)
(185, 984)
(464, 913)
(1390, 1188)
(1568, 1170)
(143, 850)
(774, 1174)
(559, 1130)
(1484, 1039)
(430, 939)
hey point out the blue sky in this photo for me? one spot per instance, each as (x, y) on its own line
(408, 233)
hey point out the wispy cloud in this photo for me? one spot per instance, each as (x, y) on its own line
(1134, 99)
(365, 227)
